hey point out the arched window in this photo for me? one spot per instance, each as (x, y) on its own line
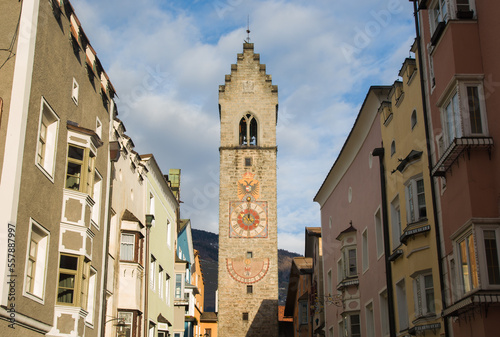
(248, 130)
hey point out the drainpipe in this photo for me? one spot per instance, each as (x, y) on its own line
(149, 222)
(379, 152)
(429, 162)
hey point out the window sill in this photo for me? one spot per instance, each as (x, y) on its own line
(424, 318)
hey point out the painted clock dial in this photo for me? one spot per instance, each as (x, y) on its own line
(248, 219)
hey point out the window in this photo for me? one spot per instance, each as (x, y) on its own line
(342, 331)
(423, 290)
(354, 325)
(74, 91)
(351, 268)
(330, 332)
(468, 265)
(249, 255)
(379, 231)
(130, 245)
(413, 119)
(152, 272)
(151, 331)
(208, 332)
(91, 296)
(248, 161)
(463, 113)
(303, 313)
(128, 319)
(36, 264)
(370, 323)
(160, 282)
(438, 13)
(329, 283)
(465, 9)
(245, 316)
(96, 209)
(393, 148)
(73, 280)
(402, 308)
(415, 200)
(98, 127)
(169, 233)
(491, 249)
(249, 289)
(366, 262)
(47, 139)
(248, 131)
(178, 286)
(340, 270)
(80, 169)
(384, 313)
(396, 223)
(167, 289)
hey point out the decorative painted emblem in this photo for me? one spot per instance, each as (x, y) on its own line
(248, 186)
(247, 270)
(248, 219)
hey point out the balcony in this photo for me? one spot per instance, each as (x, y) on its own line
(456, 148)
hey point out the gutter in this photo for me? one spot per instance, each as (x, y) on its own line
(379, 152)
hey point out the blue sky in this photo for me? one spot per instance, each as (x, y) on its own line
(166, 60)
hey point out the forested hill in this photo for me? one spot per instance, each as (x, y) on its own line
(207, 245)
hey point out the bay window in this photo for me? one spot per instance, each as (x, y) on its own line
(130, 247)
(438, 12)
(423, 291)
(468, 266)
(73, 280)
(464, 113)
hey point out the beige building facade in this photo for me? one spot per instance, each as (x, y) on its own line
(248, 252)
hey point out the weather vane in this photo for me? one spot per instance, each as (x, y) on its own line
(248, 30)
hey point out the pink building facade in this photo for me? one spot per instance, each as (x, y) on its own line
(355, 295)
(460, 45)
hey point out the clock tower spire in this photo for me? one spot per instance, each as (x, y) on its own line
(248, 244)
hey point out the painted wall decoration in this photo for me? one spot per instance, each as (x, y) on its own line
(248, 187)
(247, 270)
(248, 219)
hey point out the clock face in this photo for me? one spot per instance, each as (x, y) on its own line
(248, 219)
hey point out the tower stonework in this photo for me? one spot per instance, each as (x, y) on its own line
(248, 244)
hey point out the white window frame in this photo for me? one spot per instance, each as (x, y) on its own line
(91, 298)
(481, 280)
(396, 227)
(98, 127)
(457, 123)
(379, 231)
(75, 88)
(420, 289)
(152, 273)
(181, 288)
(402, 306)
(128, 318)
(160, 281)
(97, 195)
(340, 270)
(365, 252)
(167, 288)
(370, 320)
(346, 252)
(438, 12)
(46, 148)
(384, 313)
(413, 204)
(329, 282)
(349, 324)
(41, 236)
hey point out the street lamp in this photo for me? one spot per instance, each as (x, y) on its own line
(120, 325)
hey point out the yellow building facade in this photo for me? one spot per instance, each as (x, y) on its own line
(416, 294)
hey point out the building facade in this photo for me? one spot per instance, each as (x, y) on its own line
(459, 45)
(248, 252)
(413, 246)
(355, 293)
(314, 250)
(55, 172)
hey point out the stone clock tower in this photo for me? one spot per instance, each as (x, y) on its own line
(248, 244)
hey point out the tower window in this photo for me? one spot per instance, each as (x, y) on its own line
(249, 255)
(245, 316)
(248, 131)
(249, 289)
(248, 161)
